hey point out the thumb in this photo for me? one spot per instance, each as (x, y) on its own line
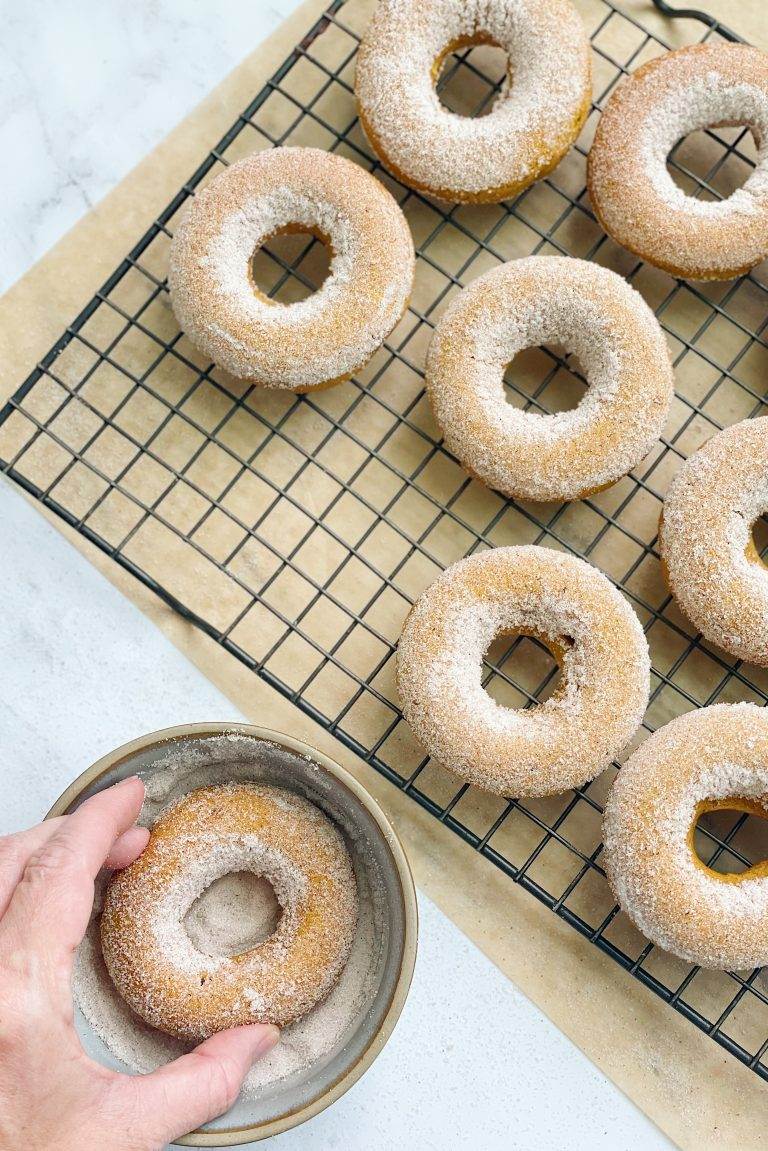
(205, 1083)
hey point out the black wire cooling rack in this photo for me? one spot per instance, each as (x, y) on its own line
(297, 531)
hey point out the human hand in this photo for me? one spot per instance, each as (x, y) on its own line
(52, 1095)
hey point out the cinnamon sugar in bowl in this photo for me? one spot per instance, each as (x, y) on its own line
(321, 1055)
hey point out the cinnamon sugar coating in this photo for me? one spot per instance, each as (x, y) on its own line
(708, 759)
(706, 543)
(622, 351)
(532, 124)
(271, 832)
(585, 621)
(324, 338)
(633, 194)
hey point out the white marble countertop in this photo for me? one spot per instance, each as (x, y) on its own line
(85, 91)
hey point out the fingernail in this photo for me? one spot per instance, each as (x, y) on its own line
(268, 1039)
(129, 779)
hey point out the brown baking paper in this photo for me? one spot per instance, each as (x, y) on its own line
(695, 1091)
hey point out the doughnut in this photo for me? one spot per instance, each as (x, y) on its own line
(622, 351)
(208, 833)
(709, 759)
(315, 342)
(705, 537)
(532, 124)
(633, 195)
(591, 631)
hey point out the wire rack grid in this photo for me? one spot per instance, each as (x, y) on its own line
(297, 531)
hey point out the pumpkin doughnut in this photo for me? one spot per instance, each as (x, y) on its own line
(709, 759)
(621, 348)
(315, 342)
(709, 556)
(587, 624)
(634, 196)
(532, 124)
(208, 833)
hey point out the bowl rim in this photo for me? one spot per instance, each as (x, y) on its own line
(253, 1133)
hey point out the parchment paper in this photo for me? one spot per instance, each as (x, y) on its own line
(689, 1086)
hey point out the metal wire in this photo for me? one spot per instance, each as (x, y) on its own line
(302, 528)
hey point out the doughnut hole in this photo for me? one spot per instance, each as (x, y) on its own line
(233, 915)
(702, 166)
(525, 668)
(729, 839)
(546, 380)
(467, 83)
(291, 264)
(758, 542)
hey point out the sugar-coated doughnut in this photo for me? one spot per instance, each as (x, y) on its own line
(208, 833)
(324, 338)
(591, 630)
(622, 351)
(530, 127)
(706, 544)
(633, 194)
(710, 759)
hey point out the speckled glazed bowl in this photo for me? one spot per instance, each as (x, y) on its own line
(382, 870)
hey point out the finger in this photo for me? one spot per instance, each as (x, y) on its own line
(206, 1082)
(15, 850)
(128, 847)
(53, 900)
(89, 834)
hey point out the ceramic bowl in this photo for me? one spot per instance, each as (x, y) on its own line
(217, 752)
